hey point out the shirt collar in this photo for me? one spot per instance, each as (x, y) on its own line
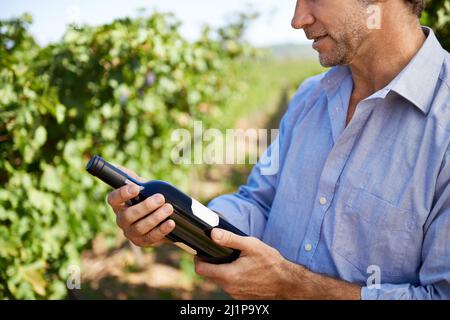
(416, 82)
(334, 77)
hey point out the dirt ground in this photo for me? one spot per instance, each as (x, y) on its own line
(128, 272)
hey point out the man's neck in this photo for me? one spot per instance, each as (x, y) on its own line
(383, 56)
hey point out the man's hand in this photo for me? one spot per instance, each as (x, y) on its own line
(140, 222)
(257, 274)
(262, 273)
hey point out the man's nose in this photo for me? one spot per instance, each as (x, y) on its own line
(302, 15)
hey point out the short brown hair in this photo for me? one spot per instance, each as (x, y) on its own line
(417, 6)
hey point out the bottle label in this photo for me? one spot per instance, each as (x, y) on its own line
(205, 214)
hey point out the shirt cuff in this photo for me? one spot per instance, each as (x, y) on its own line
(387, 291)
(369, 293)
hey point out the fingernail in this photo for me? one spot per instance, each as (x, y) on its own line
(159, 199)
(171, 223)
(218, 234)
(167, 209)
(132, 189)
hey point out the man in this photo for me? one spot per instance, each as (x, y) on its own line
(360, 205)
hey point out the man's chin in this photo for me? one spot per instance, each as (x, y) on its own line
(327, 60)
(328, 52)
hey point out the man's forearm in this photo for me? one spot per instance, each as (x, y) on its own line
(304, 284)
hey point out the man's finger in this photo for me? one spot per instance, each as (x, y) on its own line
(134, 221)
(156, 236)
(211, 271)
(117, 197)
(232, 240)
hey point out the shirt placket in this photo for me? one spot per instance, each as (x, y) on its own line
(331, 172)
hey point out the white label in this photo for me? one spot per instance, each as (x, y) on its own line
(205, 214)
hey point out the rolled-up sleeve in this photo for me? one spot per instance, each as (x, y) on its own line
(434, 273)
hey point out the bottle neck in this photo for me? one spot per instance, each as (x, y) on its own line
(108, 173)
(115, 177)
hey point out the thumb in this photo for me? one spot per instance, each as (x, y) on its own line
(232, 240)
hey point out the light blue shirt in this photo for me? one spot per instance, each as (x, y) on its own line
(375, 195)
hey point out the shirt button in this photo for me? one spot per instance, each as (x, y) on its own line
(323, 201)
(308, 247)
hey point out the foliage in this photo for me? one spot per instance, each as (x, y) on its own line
(117, 90)
(437, 16)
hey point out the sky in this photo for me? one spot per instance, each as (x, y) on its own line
(50, 17)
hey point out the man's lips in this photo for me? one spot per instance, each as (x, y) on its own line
(318, 38)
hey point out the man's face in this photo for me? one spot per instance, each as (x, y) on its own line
(338, 27)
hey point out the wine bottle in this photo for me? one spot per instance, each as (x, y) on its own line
(193, 221)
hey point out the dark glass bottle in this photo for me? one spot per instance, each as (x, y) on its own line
(193, 220)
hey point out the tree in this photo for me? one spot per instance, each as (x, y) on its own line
(118, 90)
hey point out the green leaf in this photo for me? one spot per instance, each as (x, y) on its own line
(60, 113)
(34, 275)
(40, 136)
(50, 179)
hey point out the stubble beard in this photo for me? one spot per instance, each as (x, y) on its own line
(347, 40)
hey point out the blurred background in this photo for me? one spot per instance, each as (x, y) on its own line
(115, 78)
